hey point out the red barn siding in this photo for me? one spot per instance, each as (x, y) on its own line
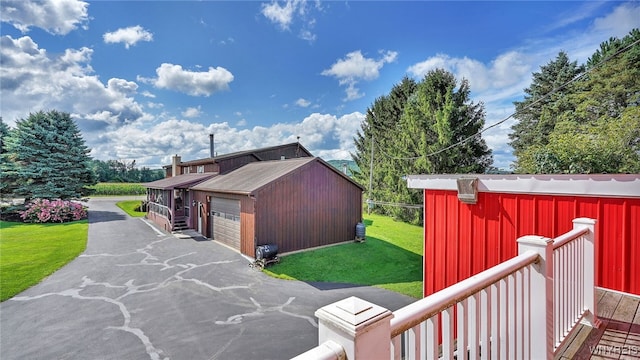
(462, 240)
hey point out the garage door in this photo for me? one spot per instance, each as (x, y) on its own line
(225, 215)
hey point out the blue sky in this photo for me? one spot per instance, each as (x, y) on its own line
(148, 79)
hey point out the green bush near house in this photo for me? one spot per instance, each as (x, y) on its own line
(31, 252)
(131, 207)
(390, 258)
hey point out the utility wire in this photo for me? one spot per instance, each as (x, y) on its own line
(576, 78)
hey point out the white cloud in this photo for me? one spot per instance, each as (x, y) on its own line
(147, 94)
(32, 79)
(58, 17)
(194, 83)
(618, 24)
(284, 15)
(355, 67)
(129, 36)
(303, 102)
(192, 112)
(505, 70)
(324, 135)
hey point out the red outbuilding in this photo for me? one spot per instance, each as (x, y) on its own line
(471, 222)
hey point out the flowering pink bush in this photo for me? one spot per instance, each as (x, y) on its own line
(43, 210)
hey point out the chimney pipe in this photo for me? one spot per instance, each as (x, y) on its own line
(211, 152)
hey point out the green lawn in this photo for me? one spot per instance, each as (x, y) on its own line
(31, 252)
(390, 258)
(129, 207)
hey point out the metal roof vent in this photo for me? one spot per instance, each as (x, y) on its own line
(468, 190)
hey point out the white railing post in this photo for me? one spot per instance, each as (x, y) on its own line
(363, 329)
(541, 282)
(589, 271)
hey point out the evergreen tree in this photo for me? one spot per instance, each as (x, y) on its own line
(380, 125)
(412, 128)
(51, 158)
(601, 132)
(431, 136)
(537, 116)
(7, 168)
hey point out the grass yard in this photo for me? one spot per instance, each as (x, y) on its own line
(129, 206)
(31, 252)
(390, 258)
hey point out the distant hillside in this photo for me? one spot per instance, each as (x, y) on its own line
(351, 166)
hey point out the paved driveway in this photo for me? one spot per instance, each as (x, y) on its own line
(137, 293)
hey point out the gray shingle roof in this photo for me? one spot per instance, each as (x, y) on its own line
(180, 181)
(252, 176)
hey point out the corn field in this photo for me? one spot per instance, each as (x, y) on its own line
(107, 189)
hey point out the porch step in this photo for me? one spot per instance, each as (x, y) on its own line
(180, 224)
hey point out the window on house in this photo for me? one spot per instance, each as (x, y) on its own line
(200, 169)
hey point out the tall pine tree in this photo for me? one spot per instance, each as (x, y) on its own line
(537, 114)
(379, 126)
(431, 135)
(50, 157)
(411, 128)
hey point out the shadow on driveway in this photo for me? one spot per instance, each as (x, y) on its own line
(98, 216)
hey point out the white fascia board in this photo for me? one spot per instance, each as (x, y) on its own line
(619, 185)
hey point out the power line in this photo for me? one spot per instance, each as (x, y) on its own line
(576, 78)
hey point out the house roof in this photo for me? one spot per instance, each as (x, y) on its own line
(180, 181)
(253, 176)
(608, 185)
(254, 152)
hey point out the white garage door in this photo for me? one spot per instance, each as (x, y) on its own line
(225, 215)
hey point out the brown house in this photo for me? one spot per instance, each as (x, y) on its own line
(271, 197)
(295, 204)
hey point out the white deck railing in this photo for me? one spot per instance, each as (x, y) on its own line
(522, 308)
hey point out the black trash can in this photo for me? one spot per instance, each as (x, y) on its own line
(266, 251)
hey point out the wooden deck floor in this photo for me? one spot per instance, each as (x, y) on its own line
(617, 338)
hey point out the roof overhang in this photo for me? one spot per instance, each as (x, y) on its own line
(605, 185)
(180, 182)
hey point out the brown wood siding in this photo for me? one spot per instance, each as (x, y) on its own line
(290, 152)
(161, 221)
(247, 226)
(200, 196)
(228, 165)
(310, 207)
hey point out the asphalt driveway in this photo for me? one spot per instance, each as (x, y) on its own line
(138, 293)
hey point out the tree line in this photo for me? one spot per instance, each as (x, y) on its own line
(45, 156)
(124, 171)
(573, 119)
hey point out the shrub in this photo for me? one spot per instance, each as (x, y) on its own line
(44, 210)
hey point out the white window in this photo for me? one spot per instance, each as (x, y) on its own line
(200, 169)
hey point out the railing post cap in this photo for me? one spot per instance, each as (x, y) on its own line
(585, 221)
(353, 313)
(534, 240)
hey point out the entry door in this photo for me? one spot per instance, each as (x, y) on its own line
(226, 221)
(200, 210)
